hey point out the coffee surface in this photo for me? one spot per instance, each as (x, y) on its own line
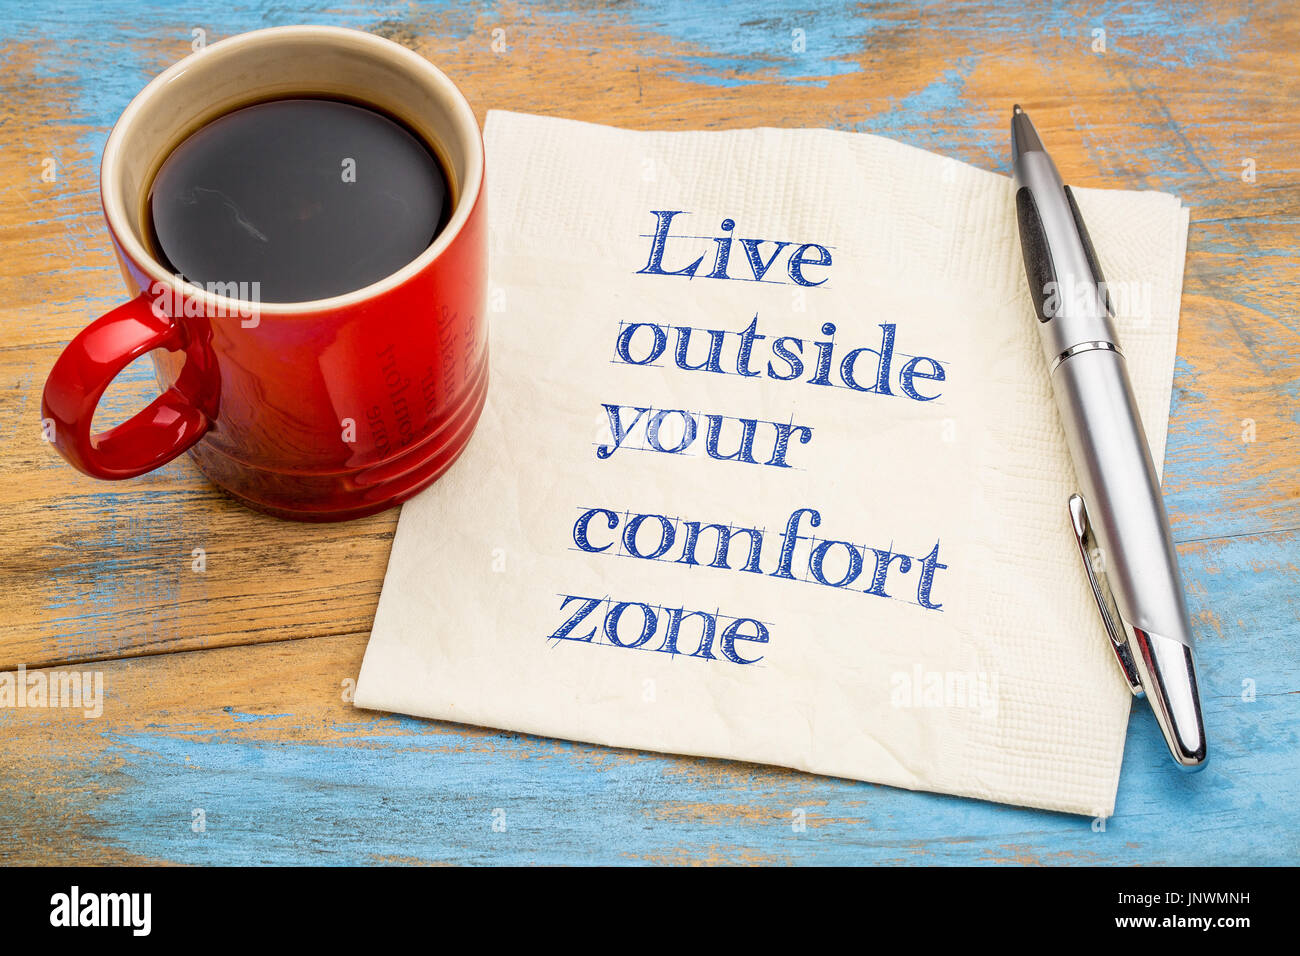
(310, 198)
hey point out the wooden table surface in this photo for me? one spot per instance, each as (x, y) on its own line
(226, 689)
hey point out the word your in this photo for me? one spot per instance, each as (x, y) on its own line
(103, 909)
(800, 258)
(673, 431)
(633, 625)
(644, 343)
(963, 690)
(84, 689)
(833, 564)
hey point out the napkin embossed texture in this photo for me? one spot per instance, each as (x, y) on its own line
(802, 504)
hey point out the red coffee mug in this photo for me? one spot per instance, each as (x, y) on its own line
(317, 411)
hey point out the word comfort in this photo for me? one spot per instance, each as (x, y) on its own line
(793, 554)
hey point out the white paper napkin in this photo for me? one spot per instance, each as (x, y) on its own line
(987, 676)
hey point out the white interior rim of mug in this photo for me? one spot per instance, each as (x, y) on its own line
(210, 83)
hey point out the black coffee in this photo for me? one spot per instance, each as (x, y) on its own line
(311, 198)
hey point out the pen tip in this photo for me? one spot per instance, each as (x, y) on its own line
(1023, 135)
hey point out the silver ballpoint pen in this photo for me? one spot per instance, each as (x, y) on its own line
(1118, 516)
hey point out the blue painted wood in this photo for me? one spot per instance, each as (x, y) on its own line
(377, 788)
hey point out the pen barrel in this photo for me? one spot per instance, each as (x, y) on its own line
(1134, 569)
(1066, 284)
(1121, 492)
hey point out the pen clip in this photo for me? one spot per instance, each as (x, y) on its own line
(1093, 564)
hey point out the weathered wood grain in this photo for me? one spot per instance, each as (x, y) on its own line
(1178, 101)
(261, 739)
(102, 569)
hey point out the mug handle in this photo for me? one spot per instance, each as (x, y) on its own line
(149, 439)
